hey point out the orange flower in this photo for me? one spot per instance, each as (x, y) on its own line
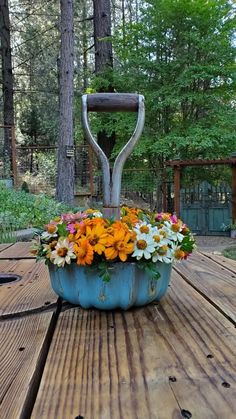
(119, 245)
(166, 216)
(80, 231)
(179, 254)
(176, 227)
(97, 237)
(83, 251)
(120, 225)
(52, 227)
(94, 221)
(130, 215)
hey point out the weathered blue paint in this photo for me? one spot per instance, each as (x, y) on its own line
(205, 208)
(129, 285)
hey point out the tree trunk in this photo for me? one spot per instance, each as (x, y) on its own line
(7, 79)
(85, 46)
(102, 29)
(103, 59)
(65, 162)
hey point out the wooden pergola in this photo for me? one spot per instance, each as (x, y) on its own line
(177, 165)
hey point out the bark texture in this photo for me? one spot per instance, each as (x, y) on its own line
(102, 29)
(103, 59)
(7, 78)
(65, 168)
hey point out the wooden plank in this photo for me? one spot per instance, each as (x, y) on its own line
(22, 348)
(33, 292)
(18, 250)
(215, 282)
(4, 246)
(222, 260)
(154, 362)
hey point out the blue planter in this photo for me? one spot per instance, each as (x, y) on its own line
(129, 285)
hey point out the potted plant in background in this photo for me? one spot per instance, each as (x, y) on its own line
(231, 228)
(105, 263)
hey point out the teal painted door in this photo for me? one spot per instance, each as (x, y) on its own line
(205, 208)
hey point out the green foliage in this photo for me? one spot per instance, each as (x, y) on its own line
(180, 55)
(150, 268)
(7, 227)
(20, 210)
(25, 187)
(35, 55)
(230, 253)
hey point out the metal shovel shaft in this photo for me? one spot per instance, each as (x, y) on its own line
(104, 102)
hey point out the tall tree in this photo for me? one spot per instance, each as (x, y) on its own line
(7, 77)
(65, 165)
(181, 56)
(103, 62)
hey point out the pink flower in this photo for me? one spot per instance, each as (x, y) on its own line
(73, 217)
(71, 228)
(158, 217)
(174, 219)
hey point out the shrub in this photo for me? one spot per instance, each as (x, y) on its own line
(19, 209)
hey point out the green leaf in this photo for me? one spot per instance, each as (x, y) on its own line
(150, 268)
(62, 231)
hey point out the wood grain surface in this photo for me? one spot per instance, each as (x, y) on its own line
(215, 282)
(4, 246)
(18, 250)
(22, 345)
(32, 292)
(222, 260)
(171, 360)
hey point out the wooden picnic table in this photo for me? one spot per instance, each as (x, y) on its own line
(175, 359)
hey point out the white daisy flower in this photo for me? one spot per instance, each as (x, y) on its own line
(97, 214)
(47, 236)
(143, 228)
(63, 253)
(160, 236)
(178, 254)
(163, 254)
(173, 231)
(144, 246)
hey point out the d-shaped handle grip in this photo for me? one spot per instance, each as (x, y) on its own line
(112, 102)
(106, 102)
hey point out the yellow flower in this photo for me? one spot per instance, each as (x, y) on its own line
(83, 251)
(119, 245)
(97, 237)
(166, 216)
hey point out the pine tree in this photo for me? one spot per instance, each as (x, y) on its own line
(7, 79)
(65, 165)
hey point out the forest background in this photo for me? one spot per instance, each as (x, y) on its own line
(180, 54)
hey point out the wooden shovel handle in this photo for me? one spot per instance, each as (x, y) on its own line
(112, 102)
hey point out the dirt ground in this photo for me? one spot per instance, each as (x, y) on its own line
(214, 244)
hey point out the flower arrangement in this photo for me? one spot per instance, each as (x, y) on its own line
(88, 239)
